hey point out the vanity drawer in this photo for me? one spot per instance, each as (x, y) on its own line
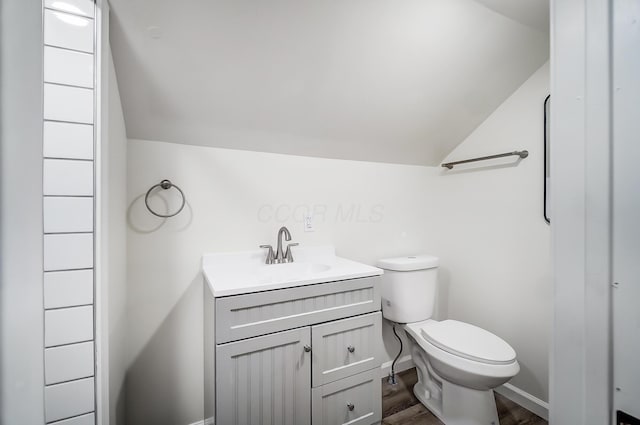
(245, 316)
(345, 347)
(356, 400)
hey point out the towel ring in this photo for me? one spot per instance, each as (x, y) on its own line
(164, 184)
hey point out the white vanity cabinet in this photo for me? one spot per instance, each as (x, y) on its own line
(301, 355)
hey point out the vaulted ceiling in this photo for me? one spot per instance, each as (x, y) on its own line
(381, 80)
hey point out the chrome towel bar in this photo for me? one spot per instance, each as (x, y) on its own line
(521, 154)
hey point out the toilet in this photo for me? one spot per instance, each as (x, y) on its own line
(458, 364)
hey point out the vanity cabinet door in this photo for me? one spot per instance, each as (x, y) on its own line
(345, 347)
(265, 380)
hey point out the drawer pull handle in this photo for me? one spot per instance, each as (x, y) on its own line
(350, 406)
(307, 348)
(351, 348)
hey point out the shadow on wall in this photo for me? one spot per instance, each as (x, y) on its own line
(391, 344)
(527, 375)
(120, 406)
(442, 295)
(152, 381)
(138, 214)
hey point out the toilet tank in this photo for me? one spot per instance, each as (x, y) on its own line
(408, 288)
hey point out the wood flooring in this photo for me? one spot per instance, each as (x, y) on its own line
(401, 407)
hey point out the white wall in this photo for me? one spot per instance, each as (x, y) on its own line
(493, 242)
(114, 181)
(371, 210)
(71, 301)
(21, 293)
(484, 222)
(362, 79)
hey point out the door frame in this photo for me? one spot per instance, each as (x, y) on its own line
(581, 371)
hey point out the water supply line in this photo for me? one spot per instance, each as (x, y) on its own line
(392, 375)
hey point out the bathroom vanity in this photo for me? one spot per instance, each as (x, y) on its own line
(293, 343)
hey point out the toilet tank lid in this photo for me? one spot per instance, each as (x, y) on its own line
(409, 263)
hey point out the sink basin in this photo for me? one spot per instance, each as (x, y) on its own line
(245, 272)
(288, 271)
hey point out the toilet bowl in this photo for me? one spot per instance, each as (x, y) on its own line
(457, 376)
(465, 354)
(458, 364)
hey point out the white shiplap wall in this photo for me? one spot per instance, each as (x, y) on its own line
(68, 202)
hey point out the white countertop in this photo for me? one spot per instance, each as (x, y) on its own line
(235, 273)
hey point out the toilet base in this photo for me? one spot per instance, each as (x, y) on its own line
(462, 406)
(451, 403)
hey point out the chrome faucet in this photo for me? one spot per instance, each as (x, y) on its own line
(279, 256)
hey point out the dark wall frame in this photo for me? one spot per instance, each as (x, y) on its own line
(545, 160)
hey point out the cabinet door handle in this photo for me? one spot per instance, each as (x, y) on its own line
(351, 348)
(307, 348)
(350, 406)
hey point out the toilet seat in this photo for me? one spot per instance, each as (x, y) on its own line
(458, 368)
(468, 341)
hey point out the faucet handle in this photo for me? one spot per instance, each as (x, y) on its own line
(270, 257)
(288, 256)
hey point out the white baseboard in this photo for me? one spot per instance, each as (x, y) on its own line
(207, 421)
(524, 399)
(403, 363)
